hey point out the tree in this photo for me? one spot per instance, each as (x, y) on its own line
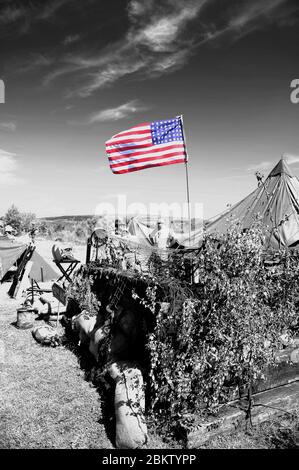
(43, 227)
(80, 231)
(13, 217)
(91, 223)
(28, 218)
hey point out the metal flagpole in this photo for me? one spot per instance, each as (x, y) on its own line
(187, 176)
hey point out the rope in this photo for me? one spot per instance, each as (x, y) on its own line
(251, 405)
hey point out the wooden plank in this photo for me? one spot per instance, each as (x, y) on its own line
(266, 405)
(59, 292)
(285, 371)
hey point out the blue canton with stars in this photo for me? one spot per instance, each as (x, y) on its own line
(164, 132)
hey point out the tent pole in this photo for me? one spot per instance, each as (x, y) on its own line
(187, 176)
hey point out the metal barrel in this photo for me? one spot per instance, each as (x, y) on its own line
(24, 318)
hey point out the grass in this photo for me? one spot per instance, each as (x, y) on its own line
(44, 400)
(281, 432)
(47, 400)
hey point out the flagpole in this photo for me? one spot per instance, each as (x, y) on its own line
(187, 175)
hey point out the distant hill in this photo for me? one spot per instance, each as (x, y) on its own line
(67, 218)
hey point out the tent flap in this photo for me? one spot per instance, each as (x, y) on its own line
(10, 252)
(275, 202)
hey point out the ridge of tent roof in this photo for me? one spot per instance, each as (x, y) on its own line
(281, 168)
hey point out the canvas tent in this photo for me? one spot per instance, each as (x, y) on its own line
(275, 201)
(32, 267)
(141, 228)
(41, 271)
(10, 252)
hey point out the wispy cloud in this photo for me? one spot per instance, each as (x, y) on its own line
(71, 38)
(12, 11)
(239, 19)
(8, 168)
(34, 61)
(115, 114)
(291, 159)
(265, 165)
(8, 126)
(154, 44)
(161, 37)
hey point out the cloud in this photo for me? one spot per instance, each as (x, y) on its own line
(8, 168)
(8, 126)
(161, 37)
(267, 165)
(12, 11)
(291, 159)
(153, 44)
(71, 38)
(34, 62)
(260, 166)
(253, 15)
(115, 114)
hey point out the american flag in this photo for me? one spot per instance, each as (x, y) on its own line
(147, 145)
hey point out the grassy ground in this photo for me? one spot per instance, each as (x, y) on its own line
(48, 401)
(279, 433)
(44, 400)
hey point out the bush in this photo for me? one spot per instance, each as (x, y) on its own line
(220, 332)
(13, 217)
(20, 221)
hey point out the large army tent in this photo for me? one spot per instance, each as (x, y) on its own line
(141, 228)
(275, 201)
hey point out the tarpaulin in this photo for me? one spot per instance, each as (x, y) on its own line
(10, 252)
(275, 202)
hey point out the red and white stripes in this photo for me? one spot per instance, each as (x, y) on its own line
(134, 150)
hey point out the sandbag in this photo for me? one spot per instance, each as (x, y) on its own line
(129, 402)
(97, 335)
(46, 335)
(83, 324)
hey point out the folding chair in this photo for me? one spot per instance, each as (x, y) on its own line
(60, 259)
(35, 291)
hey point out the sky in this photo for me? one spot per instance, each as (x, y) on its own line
(76, 73)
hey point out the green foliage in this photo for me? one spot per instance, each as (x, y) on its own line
(20, 221)
(91, 224)
(80, 231)
(44, 228)
(222, 331)
(80, 290)
(28, 220)
(13, 217)
(216, 334)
